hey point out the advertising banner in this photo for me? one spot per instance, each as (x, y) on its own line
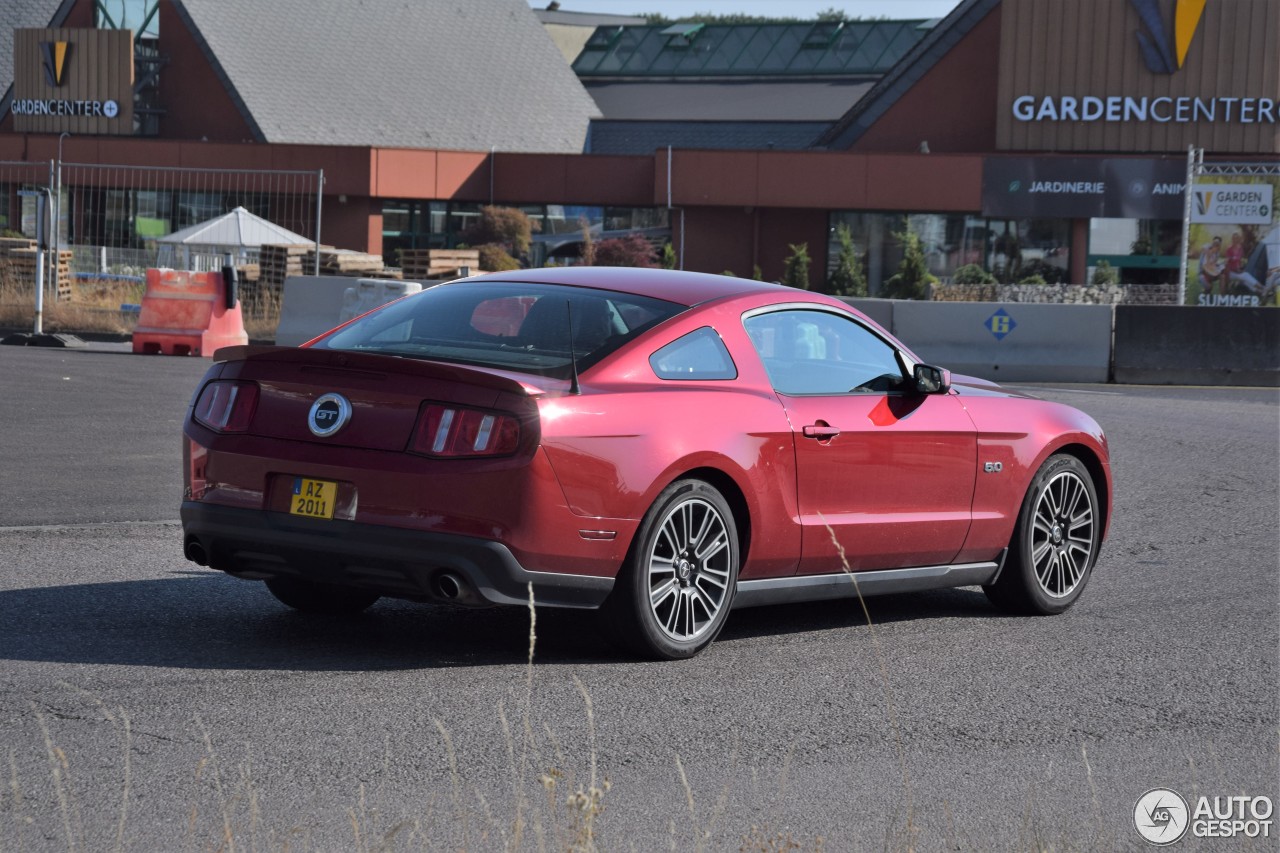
(1232, 204)
(1082, 188)
(1233, 255)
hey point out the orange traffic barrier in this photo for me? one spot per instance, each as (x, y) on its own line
(186, 313)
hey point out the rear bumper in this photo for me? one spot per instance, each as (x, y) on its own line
(258, 545)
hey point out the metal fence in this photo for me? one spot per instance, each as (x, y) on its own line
(113, 220)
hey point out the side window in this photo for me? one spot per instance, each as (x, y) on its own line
(817, 352)
(698, 355)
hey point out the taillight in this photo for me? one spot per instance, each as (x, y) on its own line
(454, 431)
(227, 406)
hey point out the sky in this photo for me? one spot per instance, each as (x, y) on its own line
(900, 9)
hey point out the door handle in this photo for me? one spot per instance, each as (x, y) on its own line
(820, 431)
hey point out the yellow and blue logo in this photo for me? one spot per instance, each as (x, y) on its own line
(1000, 324)
(56, 54)
(1165, 52)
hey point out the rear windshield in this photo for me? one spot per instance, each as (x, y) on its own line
(506, 325)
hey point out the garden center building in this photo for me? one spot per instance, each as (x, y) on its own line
(1020, 135)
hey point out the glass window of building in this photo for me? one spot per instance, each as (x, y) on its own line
(1010, 249)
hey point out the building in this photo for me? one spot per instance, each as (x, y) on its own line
(1020, 135)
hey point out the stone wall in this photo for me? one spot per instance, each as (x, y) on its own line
(1060, 294)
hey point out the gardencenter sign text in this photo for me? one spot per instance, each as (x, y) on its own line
(1162, 109)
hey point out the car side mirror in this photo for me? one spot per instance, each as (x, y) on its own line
(932, 380)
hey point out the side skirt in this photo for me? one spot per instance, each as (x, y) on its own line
(754, 593)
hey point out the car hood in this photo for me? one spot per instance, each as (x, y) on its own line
(972, 386)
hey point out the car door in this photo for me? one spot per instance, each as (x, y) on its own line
(885, 469)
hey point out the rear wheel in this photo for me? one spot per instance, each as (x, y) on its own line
(1055, 543)
(323, 598)
(674, 594)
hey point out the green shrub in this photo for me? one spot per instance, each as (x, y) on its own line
(1050, 273)
(913, 278)
(795, 271)
(508, 227)
(668, 261)
(1033, 279)
(1104, 274)
(972, 274)
(847, 279)
(494, 258)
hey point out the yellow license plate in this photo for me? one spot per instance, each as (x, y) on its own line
(313, 498)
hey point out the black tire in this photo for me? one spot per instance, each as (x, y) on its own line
(675, 591)
(1055, 543)
(321, 598)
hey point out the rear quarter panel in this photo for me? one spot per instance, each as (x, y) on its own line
(629, 435)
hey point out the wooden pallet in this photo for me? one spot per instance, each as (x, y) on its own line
(437, 263)
(19, 261)
(342, 262)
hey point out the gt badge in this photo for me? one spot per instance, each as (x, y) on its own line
(329, 414)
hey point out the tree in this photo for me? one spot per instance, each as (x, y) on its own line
(847, 279)
(494, 258)
(588, 251)
(632, 250)
(913, 278)
(507, 227)
(795, 271)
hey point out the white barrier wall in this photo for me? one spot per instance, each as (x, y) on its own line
(1009, 341)
(313, 304)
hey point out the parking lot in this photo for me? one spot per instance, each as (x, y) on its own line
(148, 704)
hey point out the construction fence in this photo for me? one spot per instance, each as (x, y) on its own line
(110, 223)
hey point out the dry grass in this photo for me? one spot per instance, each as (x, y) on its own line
(94, 307)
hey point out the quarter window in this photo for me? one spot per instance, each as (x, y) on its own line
(817, 352)
(698, 355)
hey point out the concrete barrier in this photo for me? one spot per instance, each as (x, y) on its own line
(1186, 345)
(1008, 341)
(880, 310)
(313, 304)
(370, 293)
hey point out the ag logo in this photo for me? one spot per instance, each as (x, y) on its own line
(329, 414)
(1000, 324)
(1204, 200)
(1161, 816)
(1164, 51)
(55, 55)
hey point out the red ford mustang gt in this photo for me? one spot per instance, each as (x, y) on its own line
(660, 446)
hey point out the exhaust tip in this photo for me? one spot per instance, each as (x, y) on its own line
(195, 552)
(449, 586)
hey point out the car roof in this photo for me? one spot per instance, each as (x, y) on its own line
(683, 288)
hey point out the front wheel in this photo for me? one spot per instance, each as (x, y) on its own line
(673, 595)
(322, 598)
(1055, 543)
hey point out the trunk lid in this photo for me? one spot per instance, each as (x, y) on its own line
(385, 393)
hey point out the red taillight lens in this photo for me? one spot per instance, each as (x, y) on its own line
(226, 406)
(453, 431)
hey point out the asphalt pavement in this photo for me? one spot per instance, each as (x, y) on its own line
(148, 704)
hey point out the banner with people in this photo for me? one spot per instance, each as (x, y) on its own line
(1233, 255)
